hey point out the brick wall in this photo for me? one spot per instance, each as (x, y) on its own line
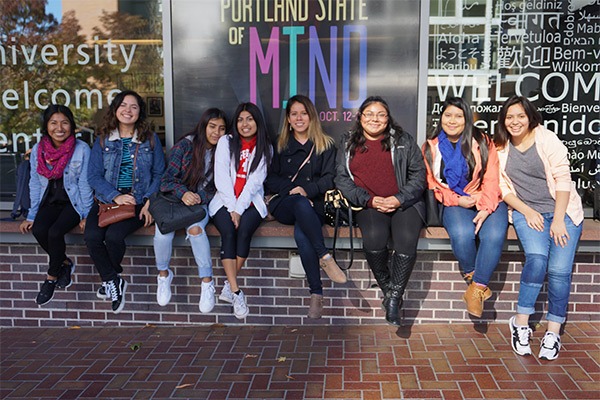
(434, 293)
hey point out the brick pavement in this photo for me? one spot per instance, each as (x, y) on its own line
(452, 361)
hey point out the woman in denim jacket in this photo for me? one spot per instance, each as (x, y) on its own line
(60, 194)
(126, 165)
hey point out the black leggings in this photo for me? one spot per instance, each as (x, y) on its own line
(107, 245)
(51, 224)
(236, 243)
(403, 226)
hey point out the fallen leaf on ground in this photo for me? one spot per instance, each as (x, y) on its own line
(135, 346)
(250, 356)
(290, 377)
(75, 327)
(183, 386)
(294, 330)
(281, 359)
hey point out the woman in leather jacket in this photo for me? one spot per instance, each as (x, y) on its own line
(381, 169)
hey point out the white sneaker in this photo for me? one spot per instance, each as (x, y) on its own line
(207, 297)
(550, 346)
(520, 337)
(240, 309)
(226, 294)
(163, 291)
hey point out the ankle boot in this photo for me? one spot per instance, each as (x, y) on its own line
(378, 262)
(402, 266)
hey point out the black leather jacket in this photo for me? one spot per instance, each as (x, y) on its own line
(410, 174)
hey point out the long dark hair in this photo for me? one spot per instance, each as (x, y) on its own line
(263, 145)
(196, 172)
(57, 109)
(357, 138)
(469, 133)
(111, 122)
(535, 118)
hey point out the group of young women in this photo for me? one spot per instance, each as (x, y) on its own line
(521, 175)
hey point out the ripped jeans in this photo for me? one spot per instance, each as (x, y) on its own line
(163, 248)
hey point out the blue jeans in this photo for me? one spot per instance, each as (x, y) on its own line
(296, 210)
(543, 257)
(163, 248)
(480, 253)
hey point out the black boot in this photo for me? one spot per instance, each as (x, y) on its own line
(378, 262)
(402, 266)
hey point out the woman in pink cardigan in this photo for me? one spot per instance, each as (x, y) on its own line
(547, 214)
(462, 169)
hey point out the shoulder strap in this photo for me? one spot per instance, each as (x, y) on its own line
(304, 162)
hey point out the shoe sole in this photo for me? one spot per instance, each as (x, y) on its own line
(225, 299)
(122, 305)
(242, 316)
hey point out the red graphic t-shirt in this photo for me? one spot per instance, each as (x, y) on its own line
(242, 172)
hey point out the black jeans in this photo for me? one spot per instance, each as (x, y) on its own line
(308, 232)
(403, 226)
(236, 243)
(107, 245)
(51, 224)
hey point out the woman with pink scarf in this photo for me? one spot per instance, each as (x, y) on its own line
(60, 195)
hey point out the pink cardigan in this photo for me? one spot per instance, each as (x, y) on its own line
(556, 166)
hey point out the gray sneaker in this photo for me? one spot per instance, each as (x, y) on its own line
(226, 293)
(240, 308)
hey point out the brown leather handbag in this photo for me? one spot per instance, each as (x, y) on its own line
(110, 213)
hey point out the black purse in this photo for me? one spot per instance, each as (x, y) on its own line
(171, 214)
(434, 209)
(340, 212)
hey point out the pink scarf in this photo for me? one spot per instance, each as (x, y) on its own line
(53, 161)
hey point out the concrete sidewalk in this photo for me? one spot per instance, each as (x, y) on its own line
(366, 362)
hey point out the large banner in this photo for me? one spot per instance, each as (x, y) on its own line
(336, 52)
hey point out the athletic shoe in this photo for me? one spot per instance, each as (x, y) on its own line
(101, 293)
(46, 292)
(163, 290)
(226, 293)
(240, 309)
(207, 297)
(520, 337)
(117, 288)
(64, 274)
(550, 346)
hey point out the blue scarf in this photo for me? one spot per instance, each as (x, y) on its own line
(456, 169)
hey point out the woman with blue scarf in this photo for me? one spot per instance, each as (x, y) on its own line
(463, 171)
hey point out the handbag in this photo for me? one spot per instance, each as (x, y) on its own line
(171, 214)
(110, 213)
(434, 209)
(340, 212)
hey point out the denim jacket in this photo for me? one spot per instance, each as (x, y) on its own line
(105, 163)
(74, 179)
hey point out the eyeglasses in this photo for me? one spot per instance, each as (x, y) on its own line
(371, 116)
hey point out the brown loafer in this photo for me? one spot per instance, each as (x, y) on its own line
(333, 270)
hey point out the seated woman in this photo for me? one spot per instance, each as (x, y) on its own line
(301, 172)
(462, 169)
(60, 194)
(189, 176)
(238, 208)
(535, 179)
(125, 167)
(380, 168)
